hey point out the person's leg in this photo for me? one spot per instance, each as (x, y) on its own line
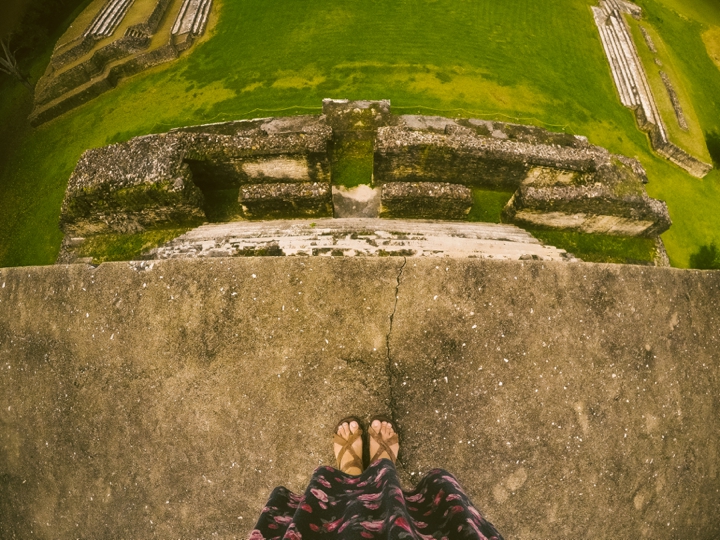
(439, 503)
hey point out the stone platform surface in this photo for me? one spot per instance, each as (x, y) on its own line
(353, 237)
(165, 399)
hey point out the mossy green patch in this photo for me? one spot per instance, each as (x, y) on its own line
(352, 163)
(488, 205)
(600, 248)
(126, 247)
(222, 205)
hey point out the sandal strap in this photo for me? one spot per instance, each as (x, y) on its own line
(347, 447)
(384, 445)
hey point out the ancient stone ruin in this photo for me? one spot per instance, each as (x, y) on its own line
(632, 83)
(279, 166)
(89, 61)
(424, 167)
(560, 181)
(677, 107)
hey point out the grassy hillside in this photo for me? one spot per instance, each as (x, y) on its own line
(517, 60)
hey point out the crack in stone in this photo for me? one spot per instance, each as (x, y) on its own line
(389, 368)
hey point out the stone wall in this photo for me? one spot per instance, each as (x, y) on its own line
(155, 179)
(677, 107)
(51, 88)
(561, 181)
(429, 200)
(127, 187)
(421, 150)
(578, 202)
(71, 53)
(424, 166)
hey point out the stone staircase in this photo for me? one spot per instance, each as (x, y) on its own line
(358, 237)
(192, 17)
(632, 83)
(109, 18)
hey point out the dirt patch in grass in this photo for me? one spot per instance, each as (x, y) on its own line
(711, 38)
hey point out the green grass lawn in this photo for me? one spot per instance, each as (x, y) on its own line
(517, 60)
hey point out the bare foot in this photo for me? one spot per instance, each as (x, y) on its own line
(390, 445)
(350, 460)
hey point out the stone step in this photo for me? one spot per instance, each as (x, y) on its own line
(620, 71)
(360, 237)
(109, 18)
(627, 69)
(192, 17)
(202, 18)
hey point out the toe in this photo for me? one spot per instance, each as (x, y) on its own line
(376, 425)
(354, 426)
(344, 430)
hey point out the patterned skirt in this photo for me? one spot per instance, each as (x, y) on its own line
(372, 505)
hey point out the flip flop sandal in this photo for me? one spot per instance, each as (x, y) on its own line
(347, 444)
(383, 444)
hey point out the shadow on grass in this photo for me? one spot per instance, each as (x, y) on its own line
(706, 258)
(712, 139)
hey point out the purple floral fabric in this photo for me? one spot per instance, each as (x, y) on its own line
(373, 506)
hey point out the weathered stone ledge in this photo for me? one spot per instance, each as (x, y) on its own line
(162, 399)
(429, 200)
(425, 166)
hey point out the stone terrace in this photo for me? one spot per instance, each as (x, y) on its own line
(632, 83)
(110, 48)
(167, 399)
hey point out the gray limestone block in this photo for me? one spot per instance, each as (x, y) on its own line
(611, 201)
(265, 150)
(462, 155)
(130, 186)
(261, 137)
(435, 124)
(360, 201)
(344, 115)
(286, 200)
(429, 200)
